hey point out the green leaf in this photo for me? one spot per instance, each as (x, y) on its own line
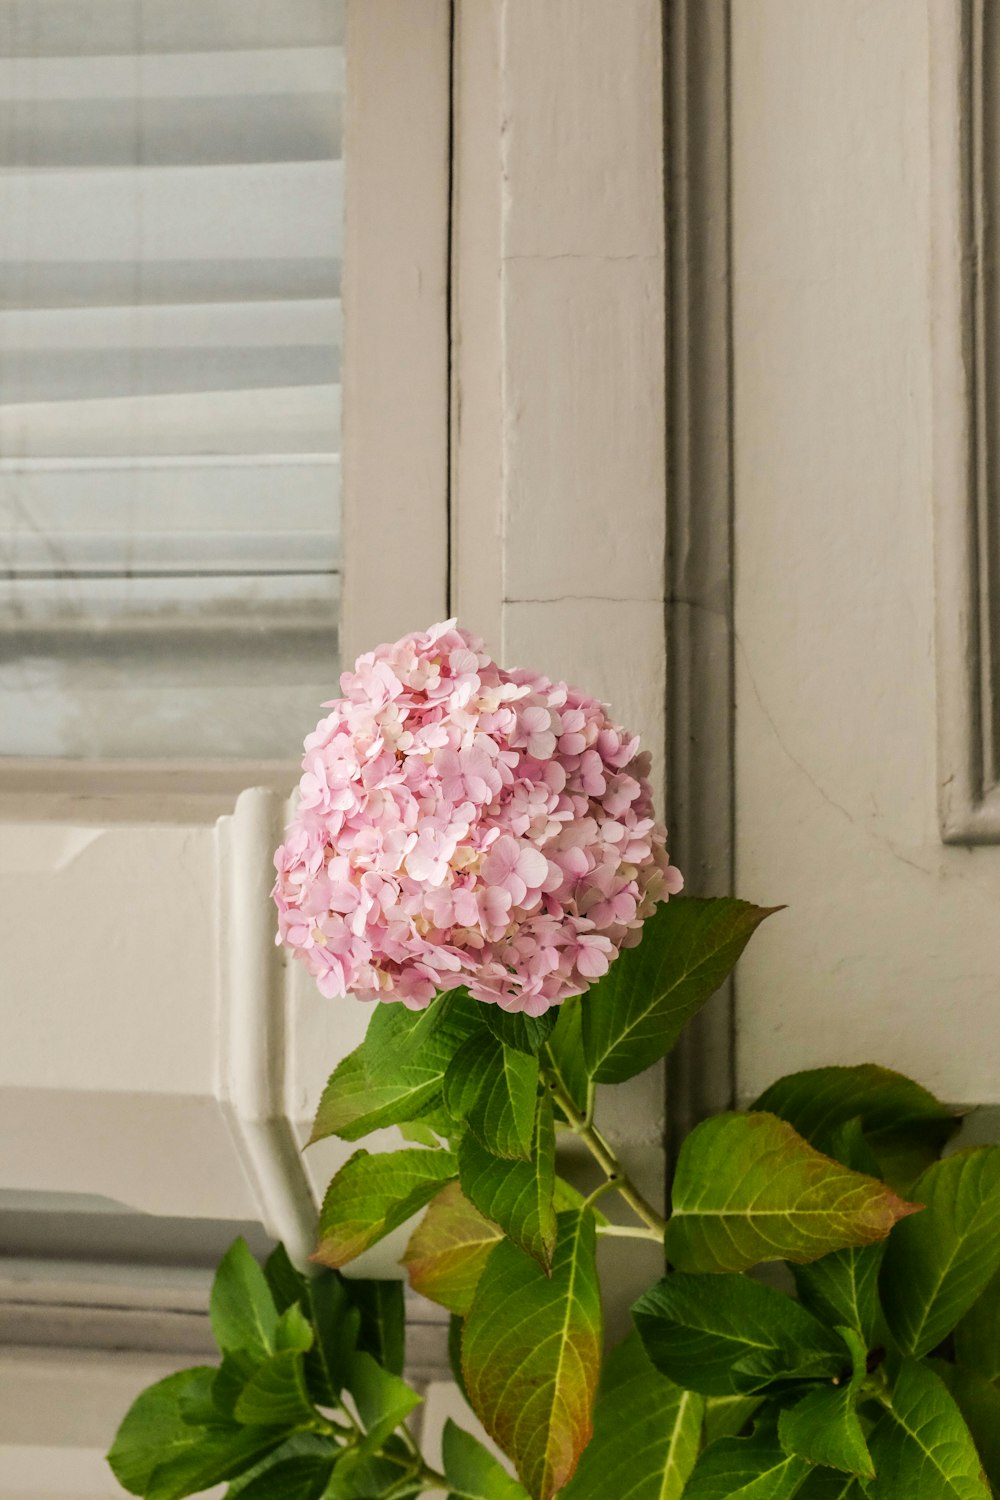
(336, 1320)
(199, 1407)
(155, 1427)
(292, 1479)
(372, 1195)
(979, 1403)
(396, 1074)
(293, 1331)
(276, 1396)
(647, 1432)
(473, 1473)
(494, 1088)
(219, 1455)
(921, 1446)
(383, 1321)
(842, 1287)
(230, 1378)
(285, 1282)
(938, 1264)
(633, 1016)
(977, 1337)
(748, 1188)
(827, 1484)
(300, 1445)
(448, 1249)
(531, 1354)
(751, 1468)
(727, 1416)
(456, 1328)
(417, 1133)
(516, 1195)
(369, 1476)
(728, 1335)
(515, 1029)
(383, 1400)
(244, 1317)
(905, 1125)
(824, 1427)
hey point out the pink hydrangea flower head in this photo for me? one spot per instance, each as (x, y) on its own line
(460, 824)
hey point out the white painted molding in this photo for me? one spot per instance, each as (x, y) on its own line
(254, 1041)
(965, 45)
(102, 1305)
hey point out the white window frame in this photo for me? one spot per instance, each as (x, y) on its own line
(395, 383)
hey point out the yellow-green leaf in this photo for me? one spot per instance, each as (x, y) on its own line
(647, 1432)
(448, 1249)
(748, 1189)
(531, 1352)
(904, 1125)
(372, 1195)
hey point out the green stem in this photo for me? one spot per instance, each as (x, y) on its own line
(608, 1186)
(432, 1479)
(601, 1151)
(629, 1231)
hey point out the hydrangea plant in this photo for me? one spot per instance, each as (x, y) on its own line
(476, 850)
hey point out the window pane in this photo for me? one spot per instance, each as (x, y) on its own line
(171, 199)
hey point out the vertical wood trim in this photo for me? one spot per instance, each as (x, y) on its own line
(700, 774)
(559, 375)
(477, 413)
(396, 359)
(254, 1038)
(964, 375)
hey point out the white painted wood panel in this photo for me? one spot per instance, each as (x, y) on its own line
(888, 950)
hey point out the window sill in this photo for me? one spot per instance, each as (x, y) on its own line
(130, 791)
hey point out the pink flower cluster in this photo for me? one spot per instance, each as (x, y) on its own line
(459, 824)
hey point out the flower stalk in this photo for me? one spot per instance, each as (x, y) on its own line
(615, 1173)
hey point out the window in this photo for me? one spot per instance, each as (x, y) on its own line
(170, 247)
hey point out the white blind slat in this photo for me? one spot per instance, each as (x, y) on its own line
(171, 204)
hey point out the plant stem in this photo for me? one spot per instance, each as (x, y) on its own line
(629, 1231)
(417, 1468)
(432, 1479)
(601, 1151)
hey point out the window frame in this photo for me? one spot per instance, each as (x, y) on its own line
(395, 449)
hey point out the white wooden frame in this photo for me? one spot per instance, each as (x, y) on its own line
(966, 487)
(551, 486)
(396, 539)
(395, 377)
(559, 413)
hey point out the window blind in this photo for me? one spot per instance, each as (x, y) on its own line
(171, 194)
